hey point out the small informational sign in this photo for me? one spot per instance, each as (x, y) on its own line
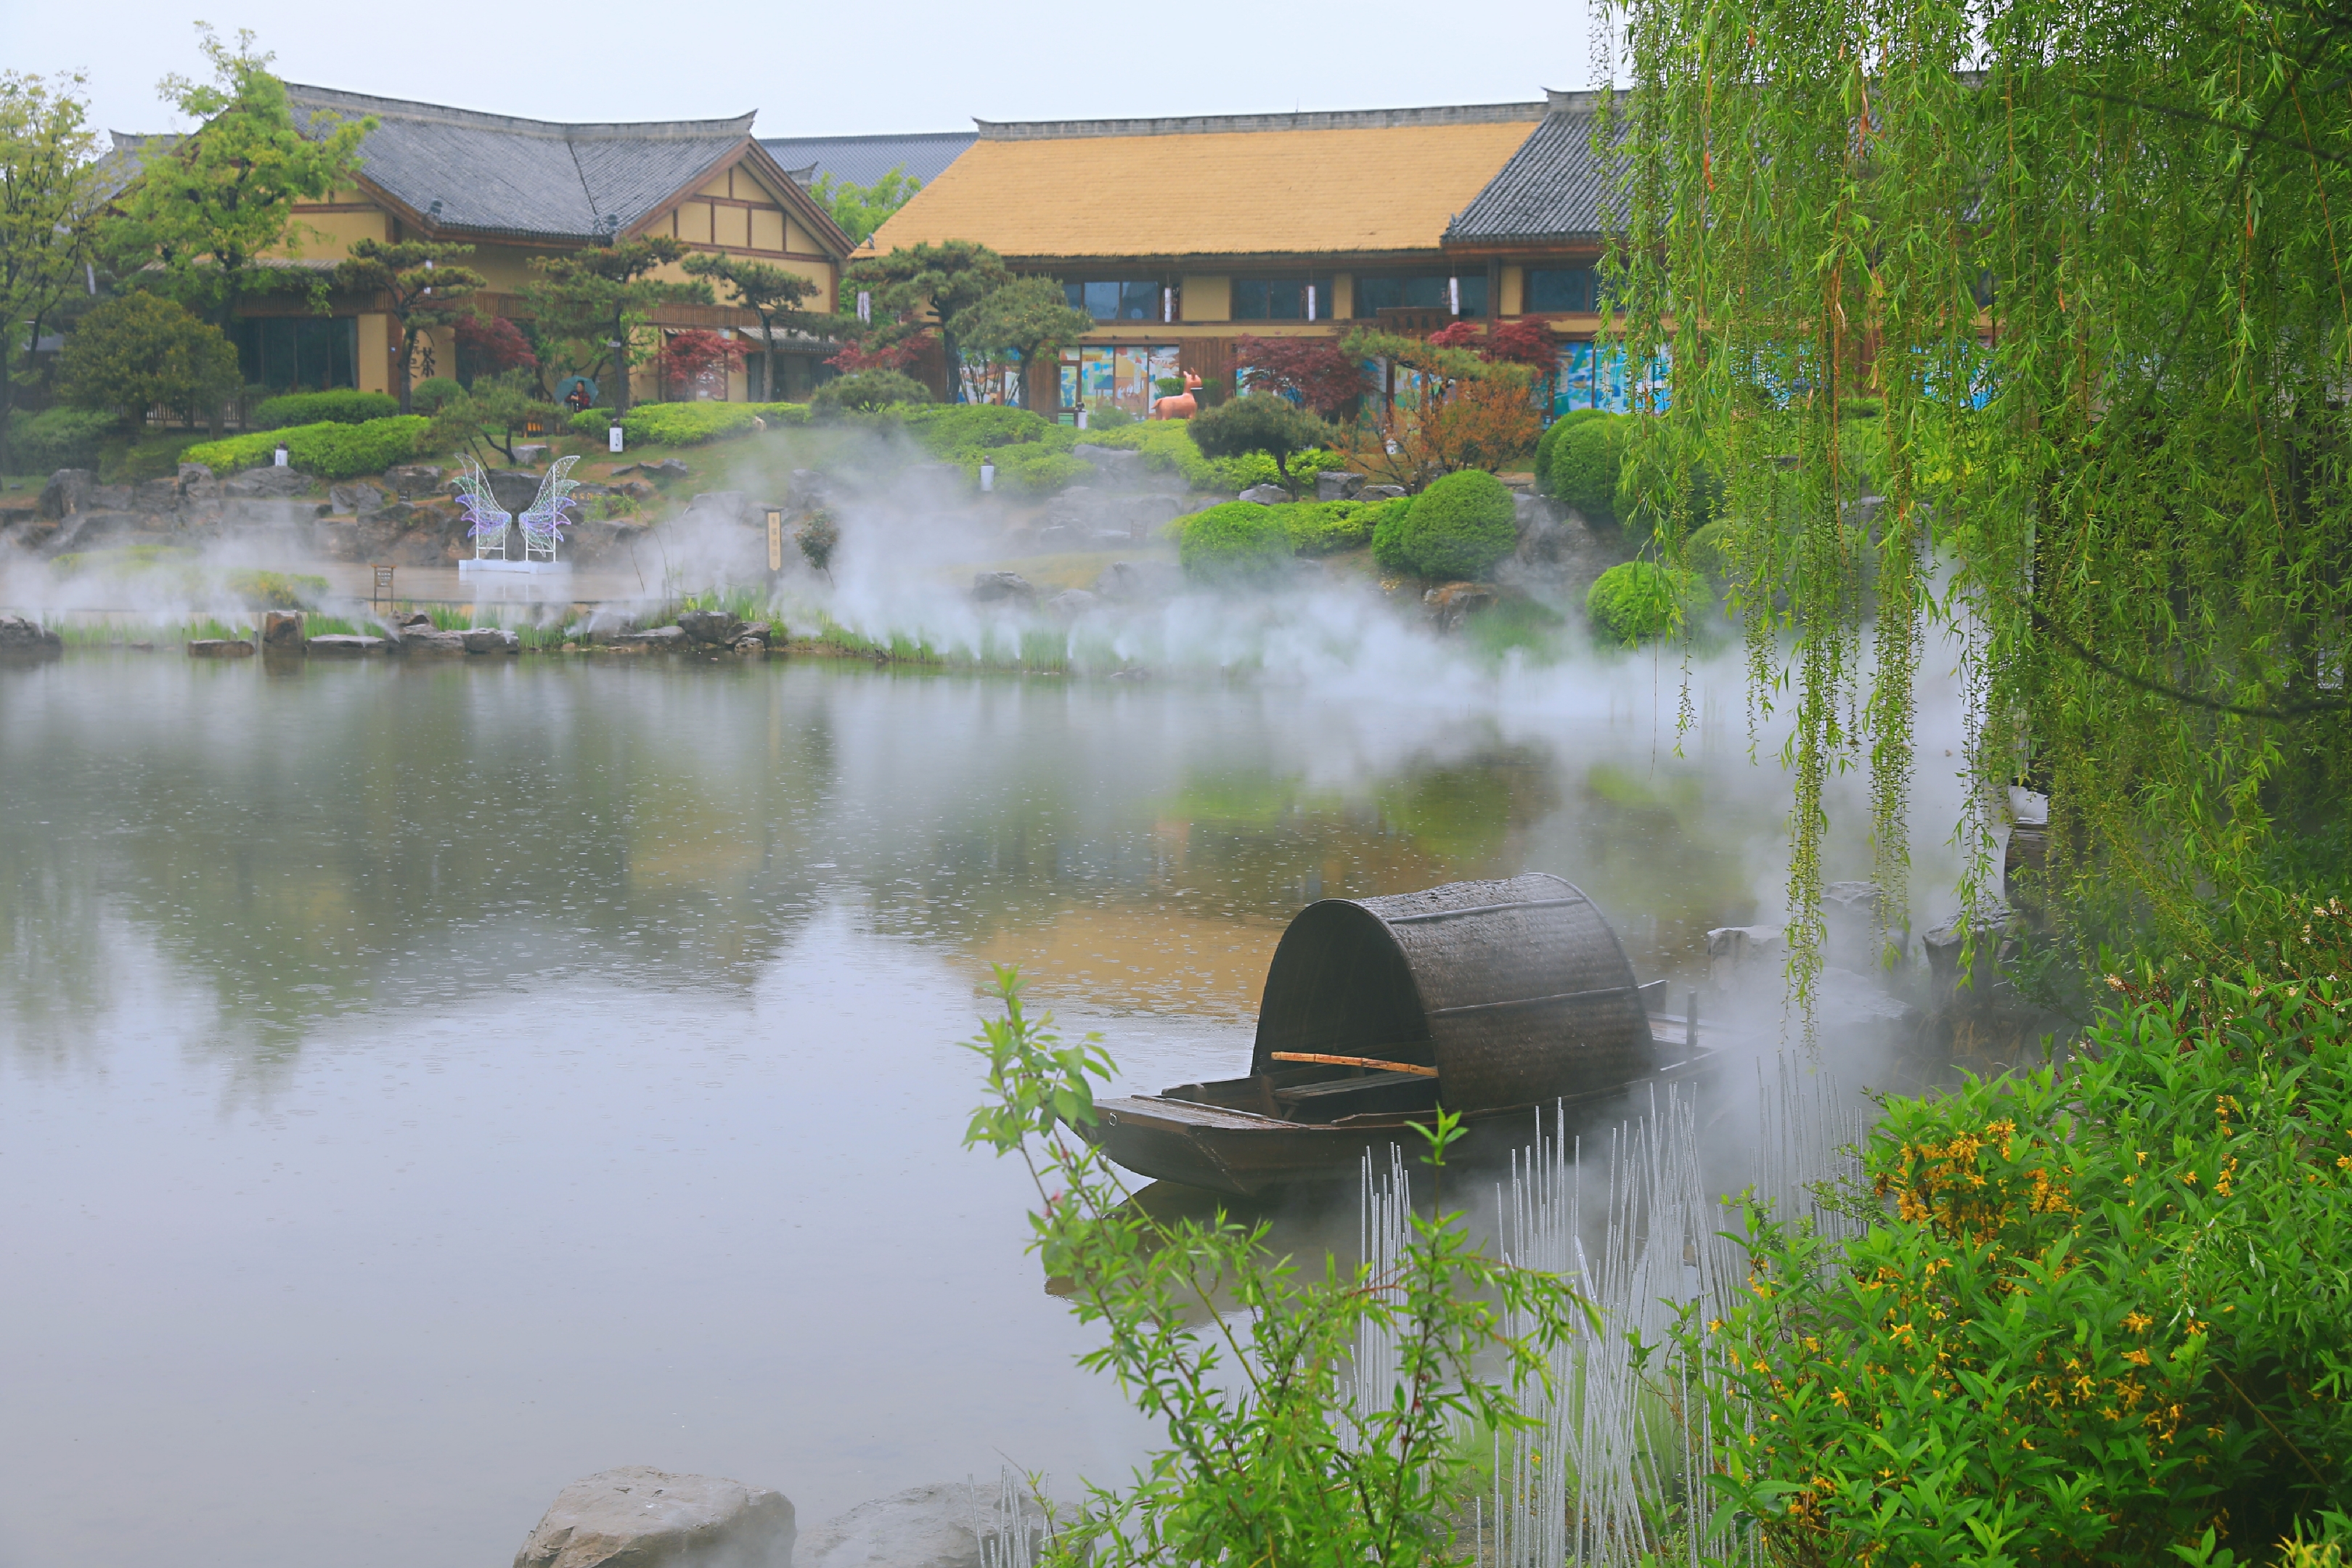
(281, 453)
(987, 476)
(612, 439)
(775, 542)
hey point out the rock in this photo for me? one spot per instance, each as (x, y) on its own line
(1333, 485)
(1265, 495)
(491, 639)
(198, 488)
(637, 1517)
(636, 490)
(721, 506)
(409, 480)
(1451, 604)
(990, 587)
(359, 501)
(807, 489)
(1134, 580)
(66, 492)
(620, 468)
(156, 497)
(1851, 912)
(272, 483)
(530, 452)
(281, 632)
(417, 618)
(667, 469)
(2023, 863)
(337, 644)
(1058, 536)
(514, 489)
(1379, 492)
(428, 643)
(1143, 514)
(752, 638)
(714, 629)
(219, 647)
(935, 1526)
(666, 639)
(1118, 466)
(20, 635)
(1529, 511)
(1072, 603)
(1730, 948)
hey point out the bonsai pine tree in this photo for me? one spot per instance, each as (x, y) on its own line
(1029, 316)
(596, 298)
(770, 292)
(922, 283)
(1260, 422)
(420, 289)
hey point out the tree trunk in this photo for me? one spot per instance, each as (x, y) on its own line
(1028, 385)
(405, 372)
(8, 385)
(620, 367)
(768, 332)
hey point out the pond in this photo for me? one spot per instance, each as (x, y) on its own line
(423, 1084)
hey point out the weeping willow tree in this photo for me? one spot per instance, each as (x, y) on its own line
(2088, 262)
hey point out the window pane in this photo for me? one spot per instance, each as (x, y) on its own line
(1269, 300)
(1426, 292)
(1075, 293)
(1560, 288)
(1473, 294)
(1374, 295)
(1139, 301)
(1102, 301)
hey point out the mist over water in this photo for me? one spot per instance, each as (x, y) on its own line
(423, 1083)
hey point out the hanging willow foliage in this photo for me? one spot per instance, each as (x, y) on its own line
(2090, 261)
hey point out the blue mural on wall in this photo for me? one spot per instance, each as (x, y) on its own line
(1596, 377)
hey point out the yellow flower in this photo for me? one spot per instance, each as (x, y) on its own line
(2138, 1358)
(2136, 1322)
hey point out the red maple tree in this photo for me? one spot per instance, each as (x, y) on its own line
(1313, 370)
(488, 345)
(699, 359)
(892, 355)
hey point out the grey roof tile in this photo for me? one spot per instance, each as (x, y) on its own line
(862, 159)
(1554, 187)
(495, 173)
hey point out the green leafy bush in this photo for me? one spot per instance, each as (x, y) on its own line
(960, 430)
(1388, 536)
(2109, 1312)
(1325, 528)
(429, 394)
(344, 405)
(685, 423)
(590, 422)
(1549, 441)
(156, 456)
(1460, 526)
(58, 439)
(1586, 464)
(1037, 469)
(1708, 551)
(864, 391)
(1637, 600)
(276, 590)
(1238, 542)
(327, 451)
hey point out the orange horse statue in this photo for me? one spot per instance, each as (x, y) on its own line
(1182, 406)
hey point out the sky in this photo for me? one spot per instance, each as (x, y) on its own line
(831, 70)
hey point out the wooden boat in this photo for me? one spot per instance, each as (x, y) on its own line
(1495, 1000)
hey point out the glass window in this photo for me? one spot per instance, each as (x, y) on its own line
(314, 354)
(1269, 299)
(1561, 288)
(1420, 292)
(1118, 299)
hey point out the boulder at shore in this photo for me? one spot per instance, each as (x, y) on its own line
(636, 1517)
(935, 1526)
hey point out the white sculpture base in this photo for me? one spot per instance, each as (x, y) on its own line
(467, 568)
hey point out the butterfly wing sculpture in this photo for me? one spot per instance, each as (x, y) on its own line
(548, 514)
(487, 524)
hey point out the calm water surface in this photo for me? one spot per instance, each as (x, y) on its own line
(422, 1086)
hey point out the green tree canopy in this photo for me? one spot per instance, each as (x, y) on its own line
(1260, 422)
(862, 209)
(584, 303)
(210, 208)
(49, 210)
(922, 285)
(491, 413)
(1028, 317)
(419, 287)
(2087, 264)
(772, 293)
(141, 351)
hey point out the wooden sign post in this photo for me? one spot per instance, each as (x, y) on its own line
(775, 541)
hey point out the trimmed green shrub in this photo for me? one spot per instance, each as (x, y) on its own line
(1708, 551)
(1550, 442)
(1237, 542)
(590, 422)
(57, 438)
(152, 457)
(1387, 535)
(956, 430)
(327, 451)
(1586, 464)
(276, 590)
(1326, 528)
(1037, 469)
(864, 391)
(344, 405)
(1459, 526)
(1637, 600)
(685, 423)
(430, 394)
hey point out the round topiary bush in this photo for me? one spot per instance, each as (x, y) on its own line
(1387, 535)
(1238, 542)
(866, 390)
(1708, 549)
(1549, 443)
(1637, 600)
(1459, 526)
(427, 397)
(1586, 464)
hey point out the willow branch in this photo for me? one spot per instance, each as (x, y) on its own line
(2081, 650)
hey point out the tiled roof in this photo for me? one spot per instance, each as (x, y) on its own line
(1552, 188)
(1228, 185)
(496, 174)
(120, 164)
(862, 159)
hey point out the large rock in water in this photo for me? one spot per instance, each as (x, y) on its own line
(714, 627)
(19, 635)
(66, 492)
(515, 488)
(636, 1517)
(936, 1526)
(989, 587)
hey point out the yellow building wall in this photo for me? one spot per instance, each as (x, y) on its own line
(1515, 284)
(1208, 297)
(1343, 295)
(373, 371)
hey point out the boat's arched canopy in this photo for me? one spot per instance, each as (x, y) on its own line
(1515, 991)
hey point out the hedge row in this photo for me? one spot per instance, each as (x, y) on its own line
(688, 424)
(57, 438)
(345, 405)
(328, 451)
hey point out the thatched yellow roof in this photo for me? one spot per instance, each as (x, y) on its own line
(1229, 186)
